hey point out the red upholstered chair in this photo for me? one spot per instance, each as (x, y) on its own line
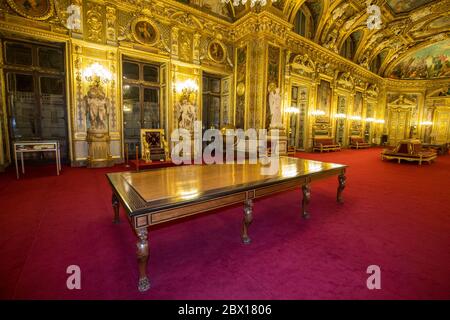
(410, 150)
(325, 143)
(358, 142)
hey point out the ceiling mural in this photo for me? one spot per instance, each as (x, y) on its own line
(394, 50)
(402, 6)
(442, 22)
(427, 63)
(215, 7)
(407, 26)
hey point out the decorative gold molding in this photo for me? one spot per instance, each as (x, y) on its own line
(21, 10)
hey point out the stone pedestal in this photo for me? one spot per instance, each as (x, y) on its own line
(282, 140)
(99, 155)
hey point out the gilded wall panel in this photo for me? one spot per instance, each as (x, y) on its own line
(273, 77)
(111, 27)
(186, 107)
(226, 117)
(185, 40)
(324, 94)
(441, 128)
(241, 86)
(94, 22)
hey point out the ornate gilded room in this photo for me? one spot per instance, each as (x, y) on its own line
(106, 107)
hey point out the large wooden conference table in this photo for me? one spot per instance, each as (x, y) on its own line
(159, 195)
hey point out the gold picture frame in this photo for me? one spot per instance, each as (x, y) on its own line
(145, 31)
(217, 51)
(33, 9)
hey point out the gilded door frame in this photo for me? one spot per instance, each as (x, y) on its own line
(125, 53)
(299, 81)
(349, 102)
(437, 123)
(372, 101)
(399, 109)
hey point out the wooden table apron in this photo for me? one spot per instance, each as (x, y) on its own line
(141, 216)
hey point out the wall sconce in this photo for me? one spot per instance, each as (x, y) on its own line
(426, 123)
(292, 110)
(97, 73)
(186, 89)
(357, 118)
(340, 116)
(188, 85)
(318, 113)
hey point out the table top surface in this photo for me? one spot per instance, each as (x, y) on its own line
(181, 184)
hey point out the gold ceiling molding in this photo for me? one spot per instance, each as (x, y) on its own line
(26, 30)
(298, 44)
(165, 8)
(416, 84)
(401, 33)
(440, 92)
(262, 23)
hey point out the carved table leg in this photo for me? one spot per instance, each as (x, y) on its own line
(115, 204)
(142, 256)
(306, 197)
(248, 218)
(341, 179)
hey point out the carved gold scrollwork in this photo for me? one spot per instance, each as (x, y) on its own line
(372, 90)
(345, 80)
(185, 46)
(111, 33)
(94, 22)
(303, 63)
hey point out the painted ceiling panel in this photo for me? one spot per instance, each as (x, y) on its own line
(426, 63)
(402, 6)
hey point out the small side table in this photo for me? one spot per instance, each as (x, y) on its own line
(21, 147)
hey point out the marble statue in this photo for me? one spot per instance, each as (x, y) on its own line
(275, 108)
(97, 105)
(186, 111)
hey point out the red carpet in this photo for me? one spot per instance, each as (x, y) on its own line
(395, 216)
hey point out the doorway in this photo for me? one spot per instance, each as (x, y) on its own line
(211, 102)
(299, 101)
(36, 95)
(142, 100)
(399, 119)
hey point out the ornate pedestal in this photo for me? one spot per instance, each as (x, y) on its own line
(282, 140)
(99, 155)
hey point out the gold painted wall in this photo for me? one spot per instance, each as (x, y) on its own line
(188, 42)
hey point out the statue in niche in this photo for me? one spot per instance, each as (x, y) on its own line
(97, 105)
(186, 114)
(275, 108)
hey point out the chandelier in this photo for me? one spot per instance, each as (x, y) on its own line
(236, 3)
